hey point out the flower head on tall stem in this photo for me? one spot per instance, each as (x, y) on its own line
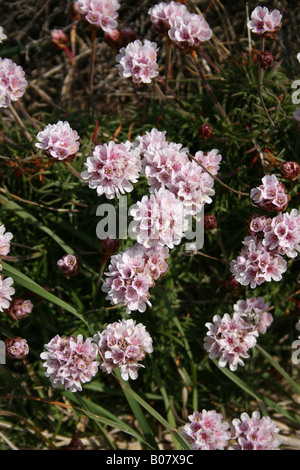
(123, 344)
(6, 291)
(255, 433)
(5, 239)
(16, 348)
(20, 309)
(189, 31)
(139, 61)
(99, 13)
(70, 361)
(12, 82)
(264, 22)
(58, 141)
(112, 169)
(271, 195)
(163, 15)
(207, 431)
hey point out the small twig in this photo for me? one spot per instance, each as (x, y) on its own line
(217, 179)
(94, 39)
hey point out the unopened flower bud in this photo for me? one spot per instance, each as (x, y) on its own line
(210, 222)
(127, 35)
(205, 131)
(112, 38)
(58, 38)
(290, 170)
(16, 348)
(232, 284)
(109, 246)
(75, 444)
(265, 59)
(20, 309)
(69, 265)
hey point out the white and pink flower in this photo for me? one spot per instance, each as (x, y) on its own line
(207, 431)
(163, 15)
(58, 141)
(123, 344)
(6, 291)
(255, 433)
(100, 13)
(139, 61)
(264, 22)
(70, 362)
(112, 169)
(189, 31)
(271, 195)
(12, 82)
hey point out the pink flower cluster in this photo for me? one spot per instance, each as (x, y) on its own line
(229, 339)
(70, 361)
(164, 14)
(207, 431)
(123, 344)
(131, 273)
(264, 22)
(16, 348)
(189, 31)
(100, 13)
(271, 195)
(12, 82)
(280, 234)
(69, 265)
(254, 312)
(159, 219)
(255, 433)
(139, 61)
(166, 164)
(5, 238)
(20, 309)
(6, 291)
(112, 169)
(58, 141)
(257, 264)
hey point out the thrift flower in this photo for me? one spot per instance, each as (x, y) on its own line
(271, 195)
(253, 311)
(12, 82)
(290, 170)
(189, 31)
(207, 431)
(70, 362)
(152, 140)
(69, 265)
(5, 238)
(99, 13)
(282, 234)
(229, 339)
(58, 141)
(112, 169)
(256, 264)
(159, 218)
(16, 348)
(163, 15)
(138, 60)
(6, 291)
(123, 344)
(20, 309)
(264, 22)
(255, 433)
(132, 273)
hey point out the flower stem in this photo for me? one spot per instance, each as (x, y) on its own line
(27, 115)
(94, 38)
(20, 122)
(260, 82)
(217, 179)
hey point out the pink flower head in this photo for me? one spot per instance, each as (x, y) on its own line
(16, 348)
(159, 219)
(282, 234)
(2, 35)
(162, 163)
(112, 169)
(271, 195)
(132, 273)
(123, 344)
(254, 312)
(58, 38)
(255, 433)
(211, 160)
(189, 31)
(290, 170)
(256, 264)
(139, 61)
(70, 361)
(6, 291)
(12, 82)
(69, 265)
(207, 431)
(58, 141)
(264, 22)
(5, 238)
(150, 141)
(20, 309)
(163, 15)
(99, 13)
(229, 339)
